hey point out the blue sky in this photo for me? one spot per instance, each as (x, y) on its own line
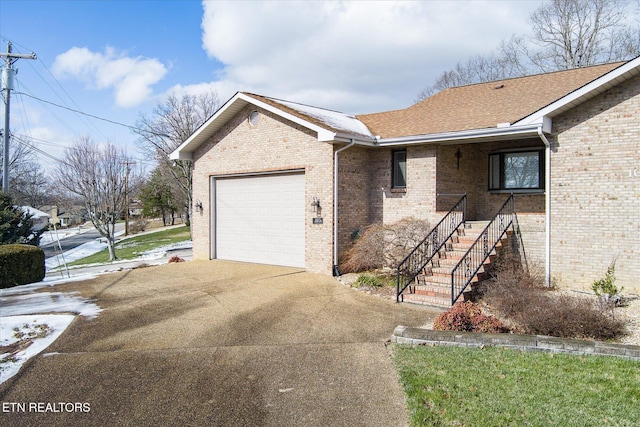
(118, 59)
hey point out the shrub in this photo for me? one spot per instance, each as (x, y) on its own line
(606, 287)
(374, 281)
(367, 251)
(467, 317)
(175, 258)
(138, 226)
(379, 246)
(20, 264)
(522, 299)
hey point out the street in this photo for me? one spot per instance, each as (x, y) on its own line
(72, 241)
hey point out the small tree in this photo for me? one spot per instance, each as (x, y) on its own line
(97, 174)
(16, 225)
(157, 197)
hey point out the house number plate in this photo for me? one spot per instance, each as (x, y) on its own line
(317, 220)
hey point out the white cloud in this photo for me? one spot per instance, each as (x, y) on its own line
(355, 56)
(130, 78)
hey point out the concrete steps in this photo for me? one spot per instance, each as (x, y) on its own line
(433, 286)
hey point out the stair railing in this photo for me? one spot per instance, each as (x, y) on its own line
(469, 265)
(423, 253)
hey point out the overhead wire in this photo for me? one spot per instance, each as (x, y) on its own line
(39, 60)
(25, 139)
(83, 115)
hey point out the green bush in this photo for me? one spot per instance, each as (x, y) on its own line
(369, 281)
(606, 287)
(20, 264)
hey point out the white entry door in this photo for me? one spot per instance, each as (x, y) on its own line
(260, 219)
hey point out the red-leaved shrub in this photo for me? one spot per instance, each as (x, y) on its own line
(467, 317)
(175, 258)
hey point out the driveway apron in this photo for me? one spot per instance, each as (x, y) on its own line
(218, 343)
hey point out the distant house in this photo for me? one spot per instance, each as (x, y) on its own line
(283, 183)
(64, 219)
(39, 219)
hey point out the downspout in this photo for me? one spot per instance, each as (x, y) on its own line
(336, 272)
(547, 206)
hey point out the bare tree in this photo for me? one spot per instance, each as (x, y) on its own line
(171, 124)
(564, 34)
(580, 33)
(30, 185)
(97, 174)
(20, 156)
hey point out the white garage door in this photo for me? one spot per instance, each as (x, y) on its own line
(261, 219)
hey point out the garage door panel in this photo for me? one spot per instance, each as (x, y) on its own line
(261, 219)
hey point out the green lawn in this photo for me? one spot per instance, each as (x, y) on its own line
(500, 387)
(133, 247)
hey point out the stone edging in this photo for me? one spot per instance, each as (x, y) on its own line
(420, 336)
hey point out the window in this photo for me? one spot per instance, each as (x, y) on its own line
(512, 171)
(399, 169)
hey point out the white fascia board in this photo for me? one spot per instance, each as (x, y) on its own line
(186, 149)
(589, 90)
(467, 136)
(237, 102)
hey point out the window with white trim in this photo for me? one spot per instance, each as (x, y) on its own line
(399, 169)
(516, 171)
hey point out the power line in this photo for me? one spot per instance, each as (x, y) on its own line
(82, 112)
(25, 139)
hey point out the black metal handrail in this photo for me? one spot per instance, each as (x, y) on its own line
(469, 265)
(424, 252)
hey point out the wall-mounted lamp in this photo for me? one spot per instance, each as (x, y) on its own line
(199, 206)
(458, 157)
(317, 209)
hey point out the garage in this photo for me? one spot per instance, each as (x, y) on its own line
(260, 219)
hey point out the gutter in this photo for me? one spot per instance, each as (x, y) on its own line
(547, 207)
(467, 136)
(336, 272)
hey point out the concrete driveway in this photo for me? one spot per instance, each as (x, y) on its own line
(217, 343)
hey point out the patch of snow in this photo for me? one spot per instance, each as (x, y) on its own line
(29, 302)
(334, 119)
(36, 332)
(84, 250)
(48, 281)
(162, 251)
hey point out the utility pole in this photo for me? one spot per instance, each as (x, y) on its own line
(126, 197)
(8, 74)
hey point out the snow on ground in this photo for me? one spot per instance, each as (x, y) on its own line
(27, 325)
(84, 250)
(22, 337)
(53, 236)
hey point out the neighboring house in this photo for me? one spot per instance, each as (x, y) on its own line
(284, 183)
(39, 219)
(65, 219)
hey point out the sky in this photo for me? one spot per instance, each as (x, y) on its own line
(114, 61)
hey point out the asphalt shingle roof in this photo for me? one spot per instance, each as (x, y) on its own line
(482, 105)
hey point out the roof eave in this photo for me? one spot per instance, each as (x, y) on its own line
(612, 78)
(471, 136)
(232, 107)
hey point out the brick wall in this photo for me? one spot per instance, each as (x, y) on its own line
(274, 144)
(417, 200)
(353, 193)
(595, 194)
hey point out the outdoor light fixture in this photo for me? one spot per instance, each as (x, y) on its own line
(199, 206)
(317, 209)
